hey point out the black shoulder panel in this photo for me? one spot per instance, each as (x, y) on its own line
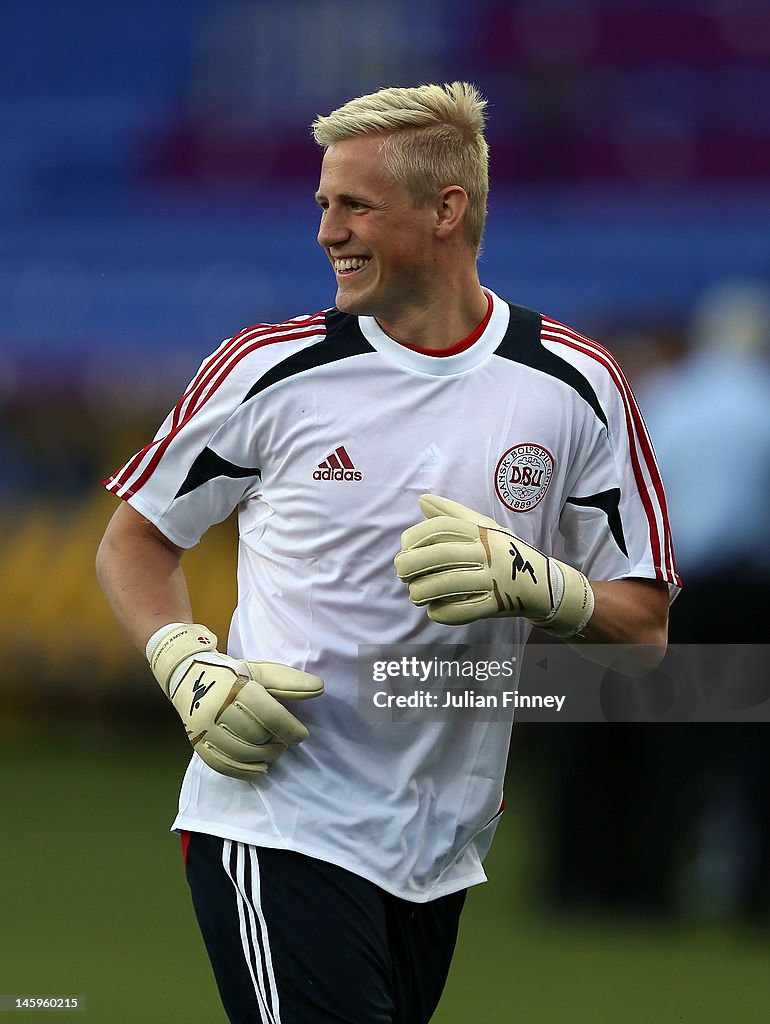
(522, 344)
(609, 503)
(209, 465)
(343, 339)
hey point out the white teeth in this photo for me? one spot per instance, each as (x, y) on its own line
(353, 264)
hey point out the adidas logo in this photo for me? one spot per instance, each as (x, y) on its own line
(337, 466)
(430, 455)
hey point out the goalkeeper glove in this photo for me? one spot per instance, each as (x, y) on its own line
(464, 566)
(228, 707)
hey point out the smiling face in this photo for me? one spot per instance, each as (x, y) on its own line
(380, 246)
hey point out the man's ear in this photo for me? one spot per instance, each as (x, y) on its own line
(451, 207)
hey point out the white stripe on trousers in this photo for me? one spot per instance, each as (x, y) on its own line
(253, 927)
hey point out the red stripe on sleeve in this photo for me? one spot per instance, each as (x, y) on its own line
(663, 553)
(194, 399)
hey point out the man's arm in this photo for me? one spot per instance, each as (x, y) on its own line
(632, 616)
(630, 611)
(139, 570)
(228, 706)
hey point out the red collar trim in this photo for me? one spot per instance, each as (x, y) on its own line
(459, 346)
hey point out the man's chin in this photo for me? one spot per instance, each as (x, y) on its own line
(353, 304)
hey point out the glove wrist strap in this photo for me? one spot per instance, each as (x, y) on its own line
(575, 607)
(157, 636)
(173, 644)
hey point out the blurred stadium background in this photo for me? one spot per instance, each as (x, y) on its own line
(156, 195)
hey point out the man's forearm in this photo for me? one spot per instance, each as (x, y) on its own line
(629, 625)
(141, 576)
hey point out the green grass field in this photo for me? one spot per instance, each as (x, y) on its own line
(94, 903)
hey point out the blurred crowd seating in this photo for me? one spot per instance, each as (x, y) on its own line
(156, 169)
(601, 90)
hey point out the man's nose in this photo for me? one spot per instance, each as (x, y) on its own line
(333, 230)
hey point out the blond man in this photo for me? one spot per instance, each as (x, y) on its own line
(502, 452)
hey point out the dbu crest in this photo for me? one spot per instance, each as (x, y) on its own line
(522, 476)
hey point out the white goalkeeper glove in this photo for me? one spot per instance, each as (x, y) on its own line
(228, 707)
(464, 566)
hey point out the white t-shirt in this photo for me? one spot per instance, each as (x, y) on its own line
(323, 432)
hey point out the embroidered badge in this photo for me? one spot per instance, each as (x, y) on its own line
(522, 476)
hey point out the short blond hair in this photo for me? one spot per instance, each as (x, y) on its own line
(433, 137)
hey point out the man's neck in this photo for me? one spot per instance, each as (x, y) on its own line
(440, 325)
